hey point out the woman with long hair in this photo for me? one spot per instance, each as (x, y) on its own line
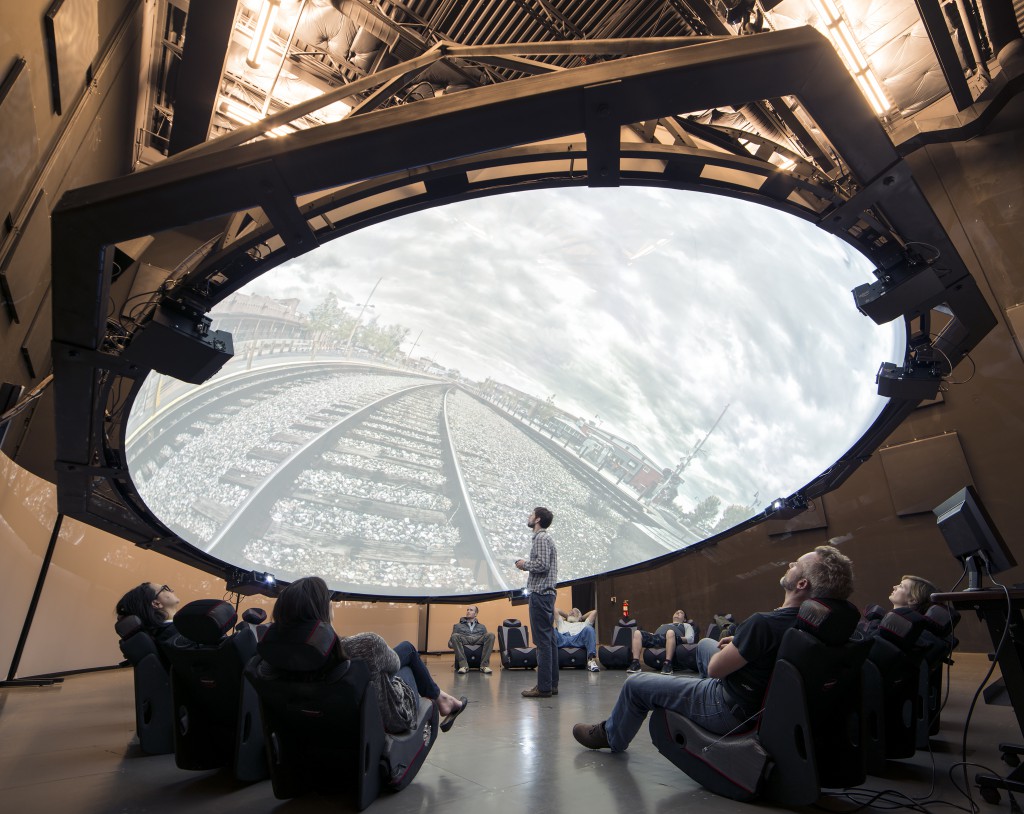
(154, 605)
(399, 675)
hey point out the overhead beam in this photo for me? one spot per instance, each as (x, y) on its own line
(207, 37)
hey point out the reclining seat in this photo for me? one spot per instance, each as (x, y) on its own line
(474, 654)
(216, 714)
(892, 682)
(515, 647)
(938, 643)
(619, 653)
(154, 709)
(810, 734)
(321, 722)
(685, 656)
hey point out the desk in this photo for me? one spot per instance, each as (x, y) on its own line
(991, 607)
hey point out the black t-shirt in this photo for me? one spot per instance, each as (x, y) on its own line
(758, 639)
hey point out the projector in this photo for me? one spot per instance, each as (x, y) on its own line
(179, 343)
(913, 384)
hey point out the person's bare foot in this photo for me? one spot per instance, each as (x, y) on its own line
(447, 704)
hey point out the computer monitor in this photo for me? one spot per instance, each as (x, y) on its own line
(972, 537)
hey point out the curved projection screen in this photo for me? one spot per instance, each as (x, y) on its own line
(654, 366)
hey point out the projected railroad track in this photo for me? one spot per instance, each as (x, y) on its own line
(378, 481)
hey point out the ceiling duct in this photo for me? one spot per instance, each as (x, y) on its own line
(371, 25)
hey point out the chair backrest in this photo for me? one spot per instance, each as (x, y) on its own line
(902, 627)
(133, 640)
(154, 708)
(214, 717)
(513, 633)
(320, 716)
(622, 633)
(813, 723)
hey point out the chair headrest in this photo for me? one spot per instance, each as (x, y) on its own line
(128, 626)
(902, 627)
(298, 648)
(254, 616)
(511, 623)
(205, 621)
(626, 622)
(939, 621)
(830, 620)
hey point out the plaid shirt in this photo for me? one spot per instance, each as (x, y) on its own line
(542, 565)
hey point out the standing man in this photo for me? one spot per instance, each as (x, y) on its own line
(469, 631)
(734, 672)
(540, 585)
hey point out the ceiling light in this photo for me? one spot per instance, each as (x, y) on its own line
(264, 25)
(243, 114)
(839, 34)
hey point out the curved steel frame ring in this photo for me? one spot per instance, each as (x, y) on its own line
(280, 198)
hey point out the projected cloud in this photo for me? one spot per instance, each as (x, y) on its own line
(655, 366)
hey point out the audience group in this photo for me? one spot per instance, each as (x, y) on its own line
(725, 692)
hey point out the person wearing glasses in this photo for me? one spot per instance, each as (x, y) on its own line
(154, 605)
(469, 631)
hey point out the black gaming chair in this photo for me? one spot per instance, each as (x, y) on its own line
(154, 710)
(216, 713)
(892, 688)
(810, 734)
(684, 658)
(938, 642)
(618, 654)
(474, 655)
(322, 724)
(515, 647)
(570, 657)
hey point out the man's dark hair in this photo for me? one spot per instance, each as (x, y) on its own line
(139, 602)
(305, 600)
(544, 516)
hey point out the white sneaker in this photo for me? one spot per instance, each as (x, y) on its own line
(462, 670)
(592, 666)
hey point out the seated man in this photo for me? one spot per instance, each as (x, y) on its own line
(575, 629)
(469, 631)
(734, 672)
(665, 636)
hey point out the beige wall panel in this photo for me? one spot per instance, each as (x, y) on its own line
(923, 473)
(26, 518)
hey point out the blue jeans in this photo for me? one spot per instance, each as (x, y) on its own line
(702, 700)
(585, 638)
(542, 611)
(706, 648)
(415, 673)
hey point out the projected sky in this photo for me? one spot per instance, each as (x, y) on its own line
(654, 365)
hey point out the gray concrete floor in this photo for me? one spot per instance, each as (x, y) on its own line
(70, 749)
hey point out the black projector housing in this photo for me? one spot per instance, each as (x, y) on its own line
(178, 343)
(914, 384)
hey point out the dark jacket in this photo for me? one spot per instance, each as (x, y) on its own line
(462, 627)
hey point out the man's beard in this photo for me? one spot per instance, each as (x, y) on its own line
(788, 585)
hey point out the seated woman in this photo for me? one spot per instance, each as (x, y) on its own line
(154, 605)
(399, 676)
(913, 593)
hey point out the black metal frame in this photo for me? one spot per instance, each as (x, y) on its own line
(275, 199)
